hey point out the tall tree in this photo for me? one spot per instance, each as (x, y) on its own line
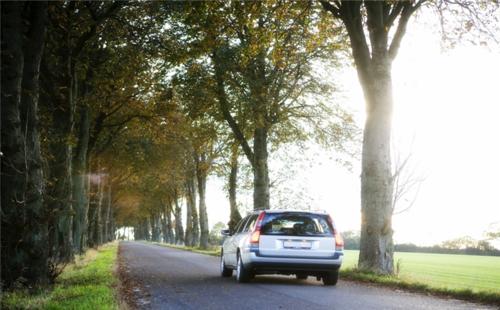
(24, 229)
(261, 58)
(376, 30)
(373, 63)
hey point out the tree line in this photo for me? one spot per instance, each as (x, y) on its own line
(114, 114)
(463, 245)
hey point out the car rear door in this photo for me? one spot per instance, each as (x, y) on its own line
(296, 235)
(232, 244)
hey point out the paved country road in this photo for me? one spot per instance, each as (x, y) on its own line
(166, 278)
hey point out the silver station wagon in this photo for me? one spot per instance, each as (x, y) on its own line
(283, 242)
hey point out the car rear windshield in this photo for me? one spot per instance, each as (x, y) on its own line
(296, 224)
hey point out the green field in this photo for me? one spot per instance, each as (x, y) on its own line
(448, 271)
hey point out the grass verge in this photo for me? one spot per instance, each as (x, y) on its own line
(419, 287)
(396, 282)
(86, 284)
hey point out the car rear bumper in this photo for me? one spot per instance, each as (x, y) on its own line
(258, 263)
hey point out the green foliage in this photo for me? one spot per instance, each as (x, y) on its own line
(351, 239)
(215, 237)
(469, 245)
(88, 284)
(270, 58)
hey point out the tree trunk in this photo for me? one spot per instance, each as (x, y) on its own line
(107, 218)
(155, 227)
(179, 230)
(112, 227)
(147, 229)
(376, 247)
(97, 212)
(60, 165)
(373, 64)
(80, 182)
(164, 229)
(192, 228)
(258, 157)
(260, 170)
(235, 215)
(23, 229)
(188, 237)
(201, 171)
(170, 232)
(36, 230)
(166, 221)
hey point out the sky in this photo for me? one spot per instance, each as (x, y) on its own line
(447, 116)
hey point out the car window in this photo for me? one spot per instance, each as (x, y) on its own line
(240, 225)
(251, 222)
(296, 224)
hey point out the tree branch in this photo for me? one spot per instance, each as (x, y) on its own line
(334, 9)
(350, 13)
(98, 20)
(224, 106)
(406, 13)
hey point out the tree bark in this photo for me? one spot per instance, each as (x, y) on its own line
(166, 220)
(155, 227)
(376, 245)
(80, 182)
(36, 230)
(201, 175)
(179, 230)
(96, 220)
(170, 232)
(234, 215)
(260, 170)
(188, 237)
(164, 229)
(60, 162)
(192, 228)
(107, 218)
(112, 227)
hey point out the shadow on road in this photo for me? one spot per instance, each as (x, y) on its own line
(282, 280)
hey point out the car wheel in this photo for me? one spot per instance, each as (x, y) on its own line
(331, 278)
(224, 271)
(242, 274)
(301, 276)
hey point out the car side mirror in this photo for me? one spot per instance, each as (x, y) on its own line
(225, 232)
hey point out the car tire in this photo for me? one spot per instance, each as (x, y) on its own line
(242, 274)
(301, 276)
(331, 278)
(224, 270)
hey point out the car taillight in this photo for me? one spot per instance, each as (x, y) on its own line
(255, 237)
(339, 241)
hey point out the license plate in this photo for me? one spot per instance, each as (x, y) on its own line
(297, 244)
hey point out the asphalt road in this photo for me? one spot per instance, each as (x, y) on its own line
(167, 278)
